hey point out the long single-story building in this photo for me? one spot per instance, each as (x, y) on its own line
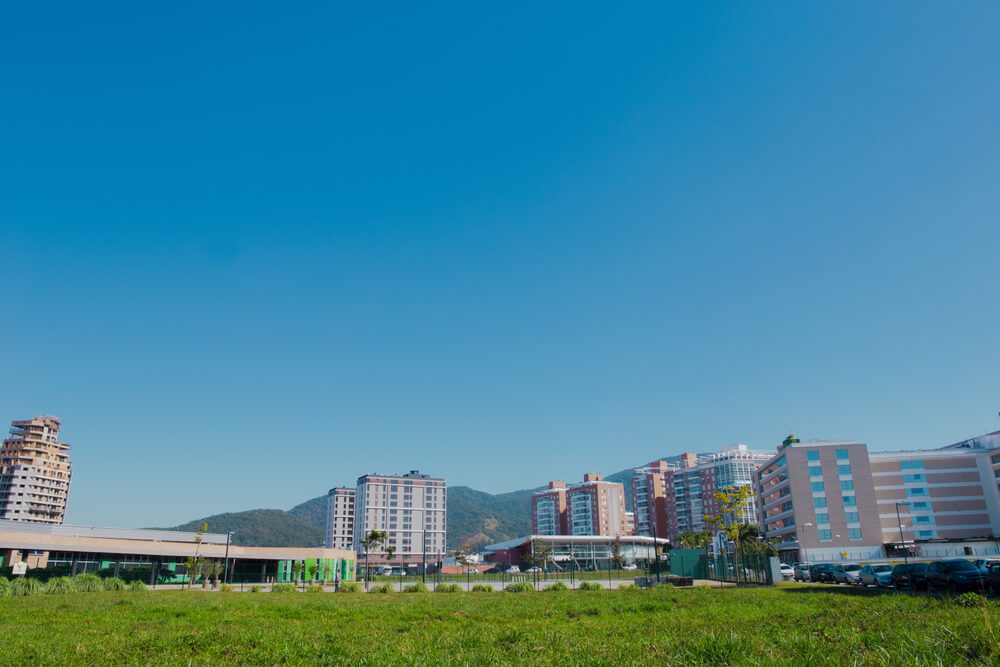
(578, 552)
(159, 556)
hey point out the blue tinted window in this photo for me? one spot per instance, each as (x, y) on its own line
(825, 535)
(911, 465)
(812, 456)
(780, 462)
(819, 502)
(851, 517)
(841, 453)
(850, 500)
(915, 478)
(847, 485)
(923, 519)
(920, 505)
(815, 472)
(844, 470)
(817, 486)
(916, 491)
(925, 533)
(822, 518)
(854, 533)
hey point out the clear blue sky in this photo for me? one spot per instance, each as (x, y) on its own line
(248, 255)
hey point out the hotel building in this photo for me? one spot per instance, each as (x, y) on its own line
(340, 518)
(411, 508)
(35, 472)
(833, 500)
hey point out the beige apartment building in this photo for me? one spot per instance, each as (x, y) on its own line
(340, 518)
(594, 506)
(411, 508)
(35, 472)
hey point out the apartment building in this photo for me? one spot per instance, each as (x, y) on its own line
(548, 510)
(35, 472)
(833, 500)
(691, 486)
(340, 518)
(649, 499)
(411, 508)
(594, 506)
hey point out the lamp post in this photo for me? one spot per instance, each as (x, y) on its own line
(902, 541)
(225, 573)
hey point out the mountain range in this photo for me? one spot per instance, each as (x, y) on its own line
(475, 518)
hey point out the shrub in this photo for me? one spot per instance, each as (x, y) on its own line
(314, 588)
(4, 588)
(627, 587)
(25, 586)
(137, 585)
(482, 588)
(970, 600)
(591, 586)
(88, 583)
(256, 588)
(226, 588)
(415, 588)
(520, 587)
(283, 588)
(350, 587)
(448, 588)
(114, 584)
(558, 586)
(381, 588)
(60, 586)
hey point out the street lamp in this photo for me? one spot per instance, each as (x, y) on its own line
(225, 573)
(902, 541)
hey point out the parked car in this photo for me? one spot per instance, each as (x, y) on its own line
(910, 575)
(533, 570)
(849, 573)
(787, 572)
(955, 574)
(631, 566)
(821, 573)
(879, 576)
(983, 564)
(801, 572)
(513, 569)
(993, 578)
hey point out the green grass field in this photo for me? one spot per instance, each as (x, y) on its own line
(791, 625)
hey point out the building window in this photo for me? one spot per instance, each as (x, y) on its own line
(822, 518)
(851, 517)
(850, 500)
(923, 519)
(815, 472)
(920, 505)
(819, 502)
(844, 470)
(925, 533)
(854, 533)
(841, 453)
(847, 485)
(812, 456)
(914, 478)
(911, 465)
(916, 491)
(817, 486)
(825, 535)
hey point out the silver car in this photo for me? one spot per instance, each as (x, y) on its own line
(848, 573)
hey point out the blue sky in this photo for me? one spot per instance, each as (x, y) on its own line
(249, 255)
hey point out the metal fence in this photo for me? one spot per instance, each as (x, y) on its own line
(751, 569)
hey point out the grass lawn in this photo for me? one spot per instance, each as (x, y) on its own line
(790, 624)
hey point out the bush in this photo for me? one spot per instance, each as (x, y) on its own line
(558, 586)
(283, 588)
(591, 586)
(114, 584)
(314, 588)
(60, 586)
(415, 588)
(970, 600)
(256, 588)
(136, 585)
(381, 588)
(627, 587)
(350, 587)
(482, 588)
(4, 588)
(88, 583)
(25, 586)
(224, 588)
(448, 588)
(520, 587)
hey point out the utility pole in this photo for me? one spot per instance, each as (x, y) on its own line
(225, 574)
(902, 541)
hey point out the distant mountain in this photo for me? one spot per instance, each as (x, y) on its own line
(262, 528)
(311, 511)
(476, 518)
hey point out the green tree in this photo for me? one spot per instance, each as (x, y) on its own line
(298, 567)
(616, 553)
(695, 539)
(732, 505)
(369, 542)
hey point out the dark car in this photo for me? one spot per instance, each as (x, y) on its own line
(847, 574)
(912, 575)
(821, 573)
(955, 574)
(984, 564)
(993, 578)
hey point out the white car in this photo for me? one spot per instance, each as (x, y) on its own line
(533, 570)
(633, 566)
(787, 572)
